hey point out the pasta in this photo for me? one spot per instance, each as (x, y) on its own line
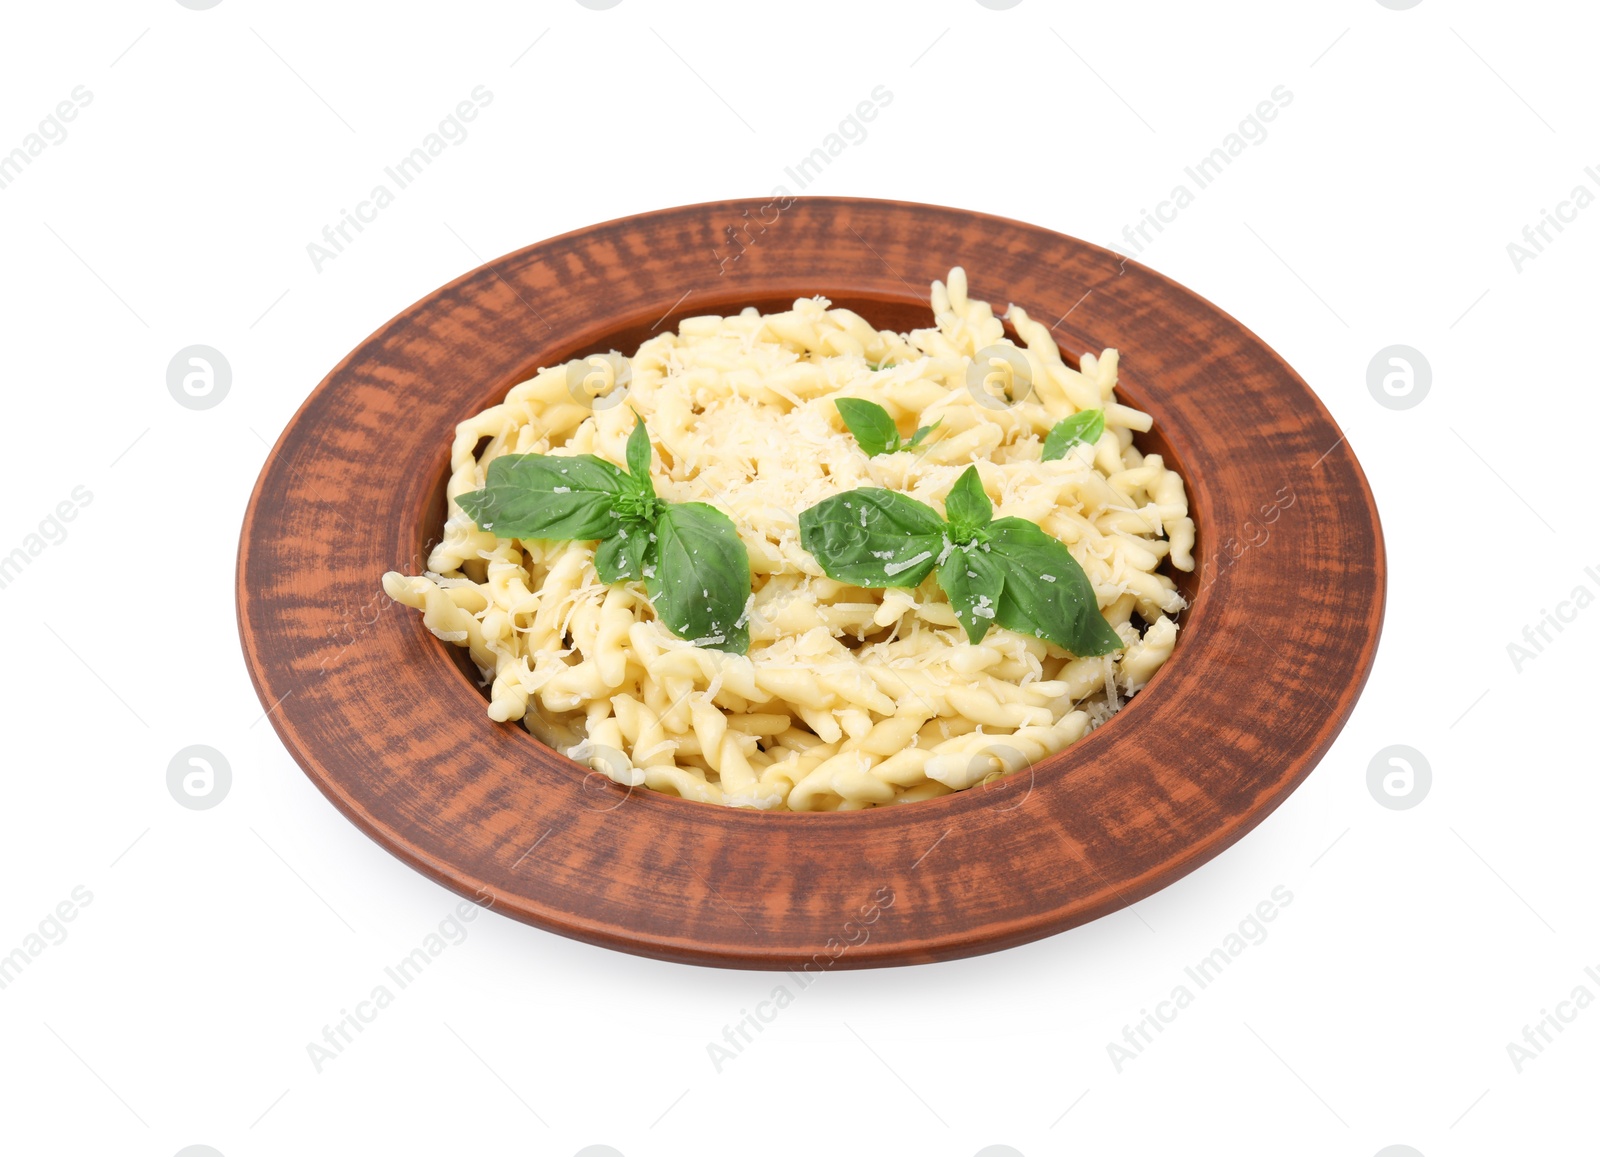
(848, 697)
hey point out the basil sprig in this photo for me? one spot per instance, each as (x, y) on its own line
(1084, 426)
(874, 430)
(690, 557)
(1006, 572)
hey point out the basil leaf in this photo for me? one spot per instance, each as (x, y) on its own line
(1084, 426)
(689, 555)
(577, 471)
(624, 555)
(545, 496)
(1046, 593)
(922, 432)
(874, 430)
(701, 583)
(873, 538)
(967, 506)
(973, 578)
(639, 455)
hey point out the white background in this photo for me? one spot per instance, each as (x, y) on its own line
(218, 943)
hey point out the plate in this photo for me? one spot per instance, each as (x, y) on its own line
(1286, 606)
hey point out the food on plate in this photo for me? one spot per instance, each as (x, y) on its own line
(792, 562)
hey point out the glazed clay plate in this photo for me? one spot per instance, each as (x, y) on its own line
(1286, 605)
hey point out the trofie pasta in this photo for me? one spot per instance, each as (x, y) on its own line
(849, 697)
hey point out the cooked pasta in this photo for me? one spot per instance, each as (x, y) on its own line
(848, 697)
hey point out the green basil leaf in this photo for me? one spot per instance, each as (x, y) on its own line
(639, 454)
(974, 579)
(1084, 426)
(921, 433)
(967, 506)
(624, 556)
(873, 538)
(701, 583)
(547, 496)
(874, 430)
(1046, 593)
(577, 471)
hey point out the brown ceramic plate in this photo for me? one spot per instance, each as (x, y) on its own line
(1286, 607)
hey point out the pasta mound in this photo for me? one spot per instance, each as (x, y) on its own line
(848, 698)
